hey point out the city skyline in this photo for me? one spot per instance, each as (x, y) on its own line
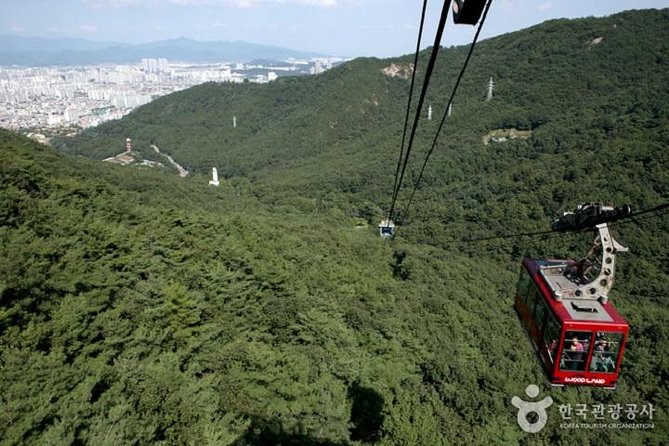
(347, 28)
(69, 98)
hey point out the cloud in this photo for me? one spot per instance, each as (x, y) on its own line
(17, 29)
(88, 28)
(115, 4)
(233, 3)
(545, 6)
(249, 3)
(312, 2)
(103, 4)
(507, 5)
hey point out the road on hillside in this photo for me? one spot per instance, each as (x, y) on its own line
(182, 172)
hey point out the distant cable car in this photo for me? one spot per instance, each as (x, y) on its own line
(578, 336)
(386, 228)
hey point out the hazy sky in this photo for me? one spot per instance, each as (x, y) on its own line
(338, 27)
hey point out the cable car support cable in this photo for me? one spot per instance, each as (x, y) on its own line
(426, 82)
(646, 211)
(413, 80)
(631, 216)
(448, 105)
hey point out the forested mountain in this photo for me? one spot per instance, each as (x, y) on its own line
(137, 307)
(585, 87)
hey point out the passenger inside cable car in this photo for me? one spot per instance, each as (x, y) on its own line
(575, 351)
(606, 352)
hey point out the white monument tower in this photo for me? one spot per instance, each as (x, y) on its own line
(214, 177)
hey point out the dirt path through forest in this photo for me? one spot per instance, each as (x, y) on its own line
(182, 172)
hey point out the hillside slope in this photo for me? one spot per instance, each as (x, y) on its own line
(136, 307)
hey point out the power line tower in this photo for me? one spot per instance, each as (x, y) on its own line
(491, 87)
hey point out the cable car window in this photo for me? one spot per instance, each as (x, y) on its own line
(539, 312)
(575, 350)
(532, 297)
(386, 231)
(607, 349)
(551, 336)
(523, 284)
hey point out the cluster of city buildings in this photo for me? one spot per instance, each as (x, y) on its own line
(50, 99)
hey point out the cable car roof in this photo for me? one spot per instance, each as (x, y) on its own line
(586, 310)
(570, 309)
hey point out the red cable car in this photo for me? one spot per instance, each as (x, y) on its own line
(578, 336)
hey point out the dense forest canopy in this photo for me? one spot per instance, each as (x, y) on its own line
(138, 307)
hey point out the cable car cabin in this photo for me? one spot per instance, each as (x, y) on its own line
(578, 341)
(467, 12)
(386, 228)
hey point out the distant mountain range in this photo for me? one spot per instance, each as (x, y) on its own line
(37, 51)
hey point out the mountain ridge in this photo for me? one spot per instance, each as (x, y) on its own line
(37, 51)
